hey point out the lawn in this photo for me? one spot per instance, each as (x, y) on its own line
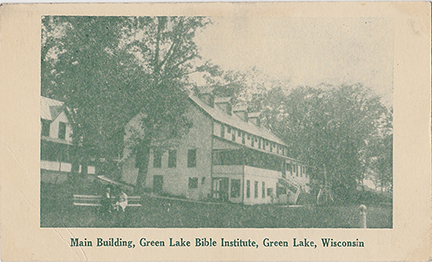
(57, 211)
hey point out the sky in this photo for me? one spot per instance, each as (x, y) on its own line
(305, 51)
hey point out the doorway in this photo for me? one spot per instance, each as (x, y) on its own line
(220, 188)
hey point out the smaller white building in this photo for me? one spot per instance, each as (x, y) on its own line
(56, 142)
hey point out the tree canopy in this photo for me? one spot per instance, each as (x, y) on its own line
(344, 131)
(109, 69)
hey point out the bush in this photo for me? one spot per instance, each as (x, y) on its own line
(306, 199)
(372, 198)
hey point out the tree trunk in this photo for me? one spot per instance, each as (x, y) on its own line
(76, 155)
(75, 159)
(142, 162)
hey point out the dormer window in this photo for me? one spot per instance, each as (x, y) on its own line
(229, 109)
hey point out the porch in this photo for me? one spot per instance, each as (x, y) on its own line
(253, 177)
(244, 184)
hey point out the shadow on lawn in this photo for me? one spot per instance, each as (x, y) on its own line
(57, 210)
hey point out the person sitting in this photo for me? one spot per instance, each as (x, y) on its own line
(122, 201)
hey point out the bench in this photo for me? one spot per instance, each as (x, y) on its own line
(96, 201)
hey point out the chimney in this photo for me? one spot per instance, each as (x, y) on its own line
(241, 111)
(254, 118)
(224, 103)
(208, 97)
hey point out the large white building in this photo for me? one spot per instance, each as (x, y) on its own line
(226, 155)
(56, 142)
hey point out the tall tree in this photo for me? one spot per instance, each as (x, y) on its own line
(330, 128)
(380, 154)
(109, 69)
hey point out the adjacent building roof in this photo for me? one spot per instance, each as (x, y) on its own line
(222, 100)
(236, 122)
(50, 108)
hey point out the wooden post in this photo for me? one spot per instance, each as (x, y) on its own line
(362, 209)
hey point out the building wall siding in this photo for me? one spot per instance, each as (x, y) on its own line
(176, 180)
(270, 182)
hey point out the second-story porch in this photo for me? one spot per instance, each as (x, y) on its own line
(251, 177)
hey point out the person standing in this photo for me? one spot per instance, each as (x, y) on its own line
(106, 201)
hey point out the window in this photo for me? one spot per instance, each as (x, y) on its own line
(45, 131)
(256, 189)
(247, 188)
(252, 142)
(243, 139)
(301, 171)
(62, 130)
(238, 133)
(235, 187)
(233, 136)
(202, 180)
(157, 159)
(222, 134)
(229, 130)
(193, 182)
(191, 158)
(172, 158)
(263, 189)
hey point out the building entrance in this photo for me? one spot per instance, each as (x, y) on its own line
(220, 188)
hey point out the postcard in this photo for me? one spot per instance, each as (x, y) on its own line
(216, 131)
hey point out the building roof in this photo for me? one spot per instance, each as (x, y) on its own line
(236, 122)
(254, 114)
(222, 100)
(241, 107)
(50, 108)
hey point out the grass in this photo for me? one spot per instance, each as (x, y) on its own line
(57, 210)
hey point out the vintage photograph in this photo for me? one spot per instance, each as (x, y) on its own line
(216, 122)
